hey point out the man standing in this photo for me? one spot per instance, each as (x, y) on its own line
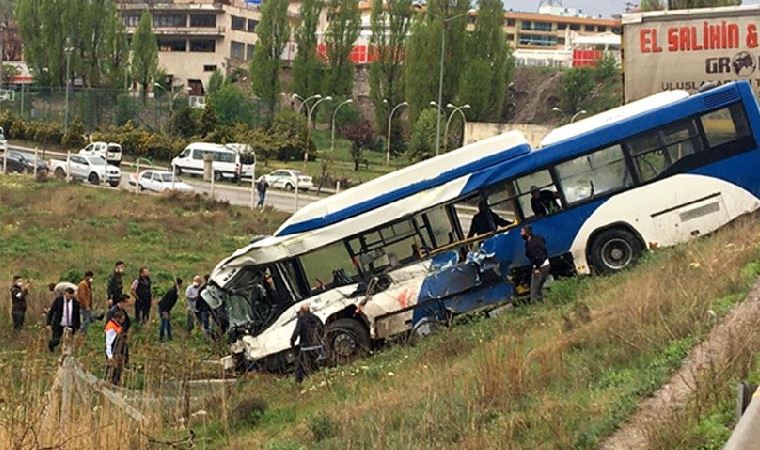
(535, 251)
(120, 305)
(191, 296)
(116, 348)
(165, 306)
(261, 188)
(543, 202)
(308, 331)
(485, 221)
(84, 296)
(142, 291)
(63, 313)
(19, 292)
(115, 284)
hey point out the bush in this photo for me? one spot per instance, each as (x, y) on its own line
(74, 137)
(323, 427)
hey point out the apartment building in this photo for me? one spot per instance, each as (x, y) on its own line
(197, 37)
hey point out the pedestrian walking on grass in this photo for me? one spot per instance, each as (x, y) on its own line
(116, 347)
(165, 306)
(204, 311)
(142, 291)
(84, 296)
(115, 290)
(261, 188)
(535, 251)
(191, 299)
(309, 330)
(19, 292)
(63, 314)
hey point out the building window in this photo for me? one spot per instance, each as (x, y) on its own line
(238, 23)
(237, 50)
(171, 45)
(510, 22)
(526, 25)
(589, 28)
(252, 24)
(575, 27)
(542, 26)
(601, 28)
(562, 26)
(538, 40)
(510, 37)
(169, 21)
(209, 67)
(249, 51)
(203, 45)
(203, 20)
(131, 20)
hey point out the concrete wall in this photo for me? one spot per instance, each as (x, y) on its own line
(475, 131)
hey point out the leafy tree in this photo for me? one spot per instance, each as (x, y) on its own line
(208, 122)
(362, 139)
(289, 136)
(144, 52)
(577, 85)
(184, 122)
(126, 110)
(307, 68)
(423, 52)
(340, 37)
(273, 32)
(651, 5)
(215, 82)
(422, 142)
(484, 80)
(390, 27)
(232, 105)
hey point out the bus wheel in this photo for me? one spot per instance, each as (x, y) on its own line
(614, 250)
(346, 340)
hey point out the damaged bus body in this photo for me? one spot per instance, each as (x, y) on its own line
(408, 248)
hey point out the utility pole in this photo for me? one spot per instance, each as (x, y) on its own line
(68, 49)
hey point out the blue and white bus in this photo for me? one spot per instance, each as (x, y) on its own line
(440, 237)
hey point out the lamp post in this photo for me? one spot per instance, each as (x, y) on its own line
(68, 49)
(564, 116)
(445, 23)
(454, 110)
(390, 122)
(572, 119)
(441, 112)
(305, 100)
(309, 112)
(575, 116)
(332, 127)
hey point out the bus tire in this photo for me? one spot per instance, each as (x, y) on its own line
(346, 340)
(614, 250)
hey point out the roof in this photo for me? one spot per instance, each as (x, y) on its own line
(614, 115)
(210, 146)
(406, 182)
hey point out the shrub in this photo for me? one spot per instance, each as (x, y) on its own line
(323, 427)
(74, 137)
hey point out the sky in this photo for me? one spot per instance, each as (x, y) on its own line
(591, 7)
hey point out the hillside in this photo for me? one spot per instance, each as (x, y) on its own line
(562, 374)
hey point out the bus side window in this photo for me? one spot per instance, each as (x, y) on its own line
(537, 195)
(725, 125)
(595, 174)
(654, 153)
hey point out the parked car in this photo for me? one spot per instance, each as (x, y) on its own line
(288, 179)
(110, 151)
(158, 181)
(24, 162)
(91, 168)
(226, 162)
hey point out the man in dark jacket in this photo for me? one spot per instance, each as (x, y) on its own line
(535, 251)
(261, 188)
(63, 313)
(120, 305)
(19, 292)
(115, 284)
(485, 221)
(165, 306)
(543, 202)
(142, 291)
(308, 332)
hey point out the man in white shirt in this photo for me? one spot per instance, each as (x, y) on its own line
(191, 296)
(63, 313)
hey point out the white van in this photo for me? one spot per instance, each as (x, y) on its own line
(226, 162)
(110, 151)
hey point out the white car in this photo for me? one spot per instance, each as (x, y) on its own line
(110, 151)
(288, 179)
(226, 162)
(158, 181)
(91, 168)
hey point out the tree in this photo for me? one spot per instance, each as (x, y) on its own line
(208, 122)
(577, 85)
(289, 136)
(144, 52)
(422, 143)
(232, 105)
(307, 68)
(361, 137)
(215, 82)
(340, 37)
(651, 5)
(390, 27)
(483, 84)
(273, 32)
(422, 59)
(184, 123)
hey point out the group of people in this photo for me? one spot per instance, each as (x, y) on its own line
(72, 309)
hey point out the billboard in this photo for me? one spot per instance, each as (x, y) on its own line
(684, 50)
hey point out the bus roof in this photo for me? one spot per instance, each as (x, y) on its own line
(406, 182)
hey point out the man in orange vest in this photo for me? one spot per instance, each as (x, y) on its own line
(116, 348)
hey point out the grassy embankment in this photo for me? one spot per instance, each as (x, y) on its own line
(563, 374)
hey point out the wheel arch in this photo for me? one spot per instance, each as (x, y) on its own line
(619, 225)
(350, 312)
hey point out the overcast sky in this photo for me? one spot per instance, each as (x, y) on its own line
(591, 7)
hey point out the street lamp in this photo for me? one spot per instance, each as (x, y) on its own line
(309, 111)
(454, 110)
(332, 135)
(68, 49)
(575, 116)
(564, 116)
(390, 121)
(305, 100)
(441, 112)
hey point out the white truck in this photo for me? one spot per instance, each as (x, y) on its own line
(110, 151)
(93, 169)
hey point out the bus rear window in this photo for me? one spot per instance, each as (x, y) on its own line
(725, 125)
